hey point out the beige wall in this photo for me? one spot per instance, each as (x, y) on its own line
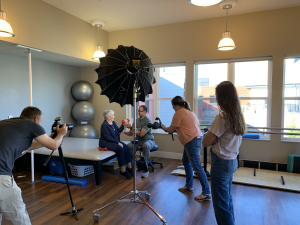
(270, 33)
(40, 25)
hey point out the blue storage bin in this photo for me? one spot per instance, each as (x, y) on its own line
(56, 167)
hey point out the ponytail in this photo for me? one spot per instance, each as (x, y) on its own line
(178, 100)
(187, 105)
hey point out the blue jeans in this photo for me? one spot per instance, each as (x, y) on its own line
(123, 154)
(221, 175)
(191, 161)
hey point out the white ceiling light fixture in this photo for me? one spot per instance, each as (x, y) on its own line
(5, 28)
(226, 43)
(205, 2)
(99, 51)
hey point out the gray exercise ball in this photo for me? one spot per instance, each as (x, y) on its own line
(83, 111)
(82, 90)
(84, 131)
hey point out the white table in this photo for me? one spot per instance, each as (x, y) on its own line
(83, 151)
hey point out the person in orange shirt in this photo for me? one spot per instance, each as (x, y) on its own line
(187, 126)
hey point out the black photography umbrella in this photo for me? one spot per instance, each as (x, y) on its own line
(125, 76)
(120, 70)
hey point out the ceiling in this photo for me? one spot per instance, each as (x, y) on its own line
(10, 48)
(131, 14)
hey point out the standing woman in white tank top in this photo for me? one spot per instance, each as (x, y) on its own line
(225, 136)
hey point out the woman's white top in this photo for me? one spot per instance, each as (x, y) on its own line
(228, 143)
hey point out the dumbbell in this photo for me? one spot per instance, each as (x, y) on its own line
(105, 149)
(125, 121)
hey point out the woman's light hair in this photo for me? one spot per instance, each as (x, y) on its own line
(107, 113)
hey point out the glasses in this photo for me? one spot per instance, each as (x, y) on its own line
(141, 111)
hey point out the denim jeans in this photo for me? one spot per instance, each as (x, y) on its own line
(191, 161)
(221, 175)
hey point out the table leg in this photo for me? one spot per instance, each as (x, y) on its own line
(98, 172)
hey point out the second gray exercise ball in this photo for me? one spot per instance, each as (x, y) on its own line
(84, 131)
(83, 111)
(82, 90)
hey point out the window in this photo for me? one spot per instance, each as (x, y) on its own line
(291, 95)
(251, 78)
(170, 82)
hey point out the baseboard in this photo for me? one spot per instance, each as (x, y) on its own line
(169, 155)
(173, 155)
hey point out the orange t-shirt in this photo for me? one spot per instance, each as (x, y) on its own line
(187, 125)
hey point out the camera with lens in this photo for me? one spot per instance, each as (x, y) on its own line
(156, 124)
(56, 122)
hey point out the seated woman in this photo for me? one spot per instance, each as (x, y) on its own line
(110, 138)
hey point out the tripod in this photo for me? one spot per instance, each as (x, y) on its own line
(137, 198)
(61, 157)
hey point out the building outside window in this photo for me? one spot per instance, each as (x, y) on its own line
(170, 82)
(251, 77)
(291, 95)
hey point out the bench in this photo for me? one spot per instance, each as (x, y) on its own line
(83, 151)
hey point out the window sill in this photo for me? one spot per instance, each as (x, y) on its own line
(262, 139)
(291, 140)
(160, 131)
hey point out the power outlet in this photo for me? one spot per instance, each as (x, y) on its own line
(9, 117)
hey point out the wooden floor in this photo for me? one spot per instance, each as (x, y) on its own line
(252, 205)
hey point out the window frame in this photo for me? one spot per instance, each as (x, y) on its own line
(231, 77)
(156, 100)
(292, 56)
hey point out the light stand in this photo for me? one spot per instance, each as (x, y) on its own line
(137, 198)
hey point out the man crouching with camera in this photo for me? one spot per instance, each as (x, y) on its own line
(16, 138)
(144, 136)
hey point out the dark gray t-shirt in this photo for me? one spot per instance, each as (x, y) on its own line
(142, 123)
(16, 137)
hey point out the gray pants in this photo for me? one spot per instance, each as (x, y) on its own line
(147, 145)
(11, 202)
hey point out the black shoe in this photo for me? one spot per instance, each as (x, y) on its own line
(130, 170)
(125, 174)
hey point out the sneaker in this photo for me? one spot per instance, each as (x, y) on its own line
(125, 174)
(145, 174)
(130, 170)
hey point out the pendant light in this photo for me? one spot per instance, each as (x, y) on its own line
(99, 51)
(204, 2)
(5, 28)
(226, 43)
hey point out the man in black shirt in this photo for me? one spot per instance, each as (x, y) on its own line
(16, 138)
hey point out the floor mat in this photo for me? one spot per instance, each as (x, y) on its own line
(264, 178)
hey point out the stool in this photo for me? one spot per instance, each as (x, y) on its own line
(151, 162)
(154, 162)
